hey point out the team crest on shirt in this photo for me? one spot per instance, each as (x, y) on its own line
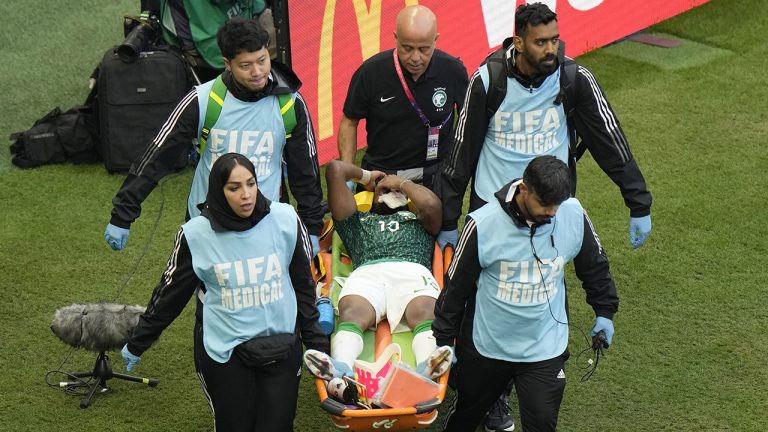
(439, 98)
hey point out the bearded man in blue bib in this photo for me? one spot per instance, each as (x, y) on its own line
(528, 99)
(504, 300)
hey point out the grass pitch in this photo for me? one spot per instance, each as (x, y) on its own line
(690, 341)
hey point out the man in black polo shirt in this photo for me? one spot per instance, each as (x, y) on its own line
(409, 132)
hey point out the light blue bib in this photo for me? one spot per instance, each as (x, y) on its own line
(248, 286)
(253, 129)
(527, 124)
(519, 299)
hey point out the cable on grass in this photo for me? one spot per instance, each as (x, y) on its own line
(148, 243)
(76, 386)
(598, 341)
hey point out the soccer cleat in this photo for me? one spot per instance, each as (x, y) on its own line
(324, 366)
(438, 362)
(499, 418)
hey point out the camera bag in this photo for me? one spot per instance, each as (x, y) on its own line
(57, 137)
(134, 100)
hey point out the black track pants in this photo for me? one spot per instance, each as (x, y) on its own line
(480, 381)
(250, 399)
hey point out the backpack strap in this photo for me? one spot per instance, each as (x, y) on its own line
(497, 82)
(567, 95)
(496, 90)
(216, 101)
(212, 111)
(497, 86)
(288, 112)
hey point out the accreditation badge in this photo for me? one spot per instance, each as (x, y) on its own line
(433, 139)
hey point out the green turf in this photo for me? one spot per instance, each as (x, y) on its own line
(687, 54)
(690, 341)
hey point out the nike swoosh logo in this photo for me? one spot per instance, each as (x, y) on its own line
(425, 289)
(384, 100)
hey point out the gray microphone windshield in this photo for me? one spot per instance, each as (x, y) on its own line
(96, 326)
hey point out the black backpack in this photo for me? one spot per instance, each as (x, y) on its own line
(497, 90)
(56, 138)
(134, 101)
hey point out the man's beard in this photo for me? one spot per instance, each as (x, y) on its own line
(539, 65)
(535, 220)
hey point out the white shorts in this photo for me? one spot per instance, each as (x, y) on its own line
(389, 287)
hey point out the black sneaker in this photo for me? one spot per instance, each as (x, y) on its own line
(498, 418)
(343, 390)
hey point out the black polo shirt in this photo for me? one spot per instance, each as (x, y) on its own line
(397, 138)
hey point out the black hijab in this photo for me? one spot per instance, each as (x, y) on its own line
(217, 209)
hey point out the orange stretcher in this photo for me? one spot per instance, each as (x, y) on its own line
(419, 416)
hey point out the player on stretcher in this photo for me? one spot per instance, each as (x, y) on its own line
(391, 249)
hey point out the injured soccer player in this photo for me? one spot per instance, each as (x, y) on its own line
(391, 249)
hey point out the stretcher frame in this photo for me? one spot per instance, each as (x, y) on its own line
(421, 415)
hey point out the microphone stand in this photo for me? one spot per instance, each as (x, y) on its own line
(102, 372)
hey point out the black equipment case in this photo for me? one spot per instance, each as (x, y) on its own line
(134, 101)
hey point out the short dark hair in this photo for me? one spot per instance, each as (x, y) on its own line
(532, 14)
(241, 35)
(549, 178)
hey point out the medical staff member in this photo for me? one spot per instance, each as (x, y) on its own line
(504, 299)
(250, 123)
(250, 257)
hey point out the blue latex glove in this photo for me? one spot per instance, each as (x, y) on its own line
(351, 185)
(116, 237)
(445, 237)
(604, 324)
(129, 359)
(315, 244)
(639, 230)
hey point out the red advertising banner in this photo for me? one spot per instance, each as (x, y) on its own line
(330, 38)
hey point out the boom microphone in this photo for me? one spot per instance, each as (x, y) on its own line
(96, 327)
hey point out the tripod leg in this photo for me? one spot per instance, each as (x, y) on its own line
(86, 401)
(148, 381)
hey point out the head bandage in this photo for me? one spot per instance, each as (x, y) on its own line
(393, 199)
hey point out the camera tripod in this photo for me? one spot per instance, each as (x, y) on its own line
(102, 372)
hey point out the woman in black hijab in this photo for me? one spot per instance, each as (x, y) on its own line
(217, 208)
(249, 257)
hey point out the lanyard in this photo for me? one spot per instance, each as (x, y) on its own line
(408, 94)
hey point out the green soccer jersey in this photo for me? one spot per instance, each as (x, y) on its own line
(205, 18)
(371, 238)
